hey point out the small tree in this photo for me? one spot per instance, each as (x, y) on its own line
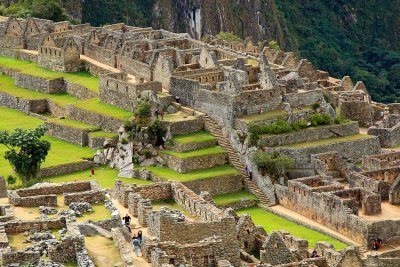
(273, 164)
(26, 151)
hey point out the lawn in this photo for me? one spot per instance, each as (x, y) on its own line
(178, 116)
(328, 141)
(232, 197)
(197, 137)
(263, 116)
(103, 134)
(96, 106)
(74, 124)
(272, 222)
(212, 150)
(81, 78)
(7, 85)
(61, 152)
(105, 176)
(170, 174)
(100, 212)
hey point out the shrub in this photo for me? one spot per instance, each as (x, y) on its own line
(135, 159)
(143, 110)
(229, 36)
(128, 126)
(340, 119)
(320, 119)
(273, 164)
(124, 141)
(147, 154)
(274, 45)
(156, 133)
(11, 179)
(315, 106)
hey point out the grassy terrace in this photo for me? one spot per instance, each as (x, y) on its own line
(61, 152)
(169, 174)
(105, 176)
(328, 141)
(274, 114)
(96, 106)
(81, 78)
(232, 197)
(272, 222)
(74, 124)
(102, 134)
(197, 137)
(178, 116)
(212, 150)
(7, 85)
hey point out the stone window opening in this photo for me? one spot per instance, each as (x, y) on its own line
(246, 244)
(172, 261)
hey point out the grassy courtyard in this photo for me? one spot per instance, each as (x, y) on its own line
(61, 152)
(272, 222)
(328, 141)
(81, 78)
(232, 197)
(96, 106)
(7, 85)
(105, 176)
(169, 174)
(197, 137)
(212, 150)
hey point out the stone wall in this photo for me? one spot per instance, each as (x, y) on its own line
(16, 227)
(388, 137)
(8, 258)
(104, 122)
(313, 134)
(183, 165)
(79, 91)
(124, 250)
(353, 150)
(47, 86)
(381, 161)
(184, 126)
(178, 147)
(72, 135)
(24, 105)
(65, 168)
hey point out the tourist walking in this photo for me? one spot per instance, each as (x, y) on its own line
(140, 236)
(314, 254)
(379, 243)
(136, 245)
(127, 221)
(375, 244)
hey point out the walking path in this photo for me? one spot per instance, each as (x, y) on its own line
(303, 219)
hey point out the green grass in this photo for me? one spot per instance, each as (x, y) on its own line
(169, 174)
(232, 197)
(105, 176)
(96, 106)
(264, 116)
(81, 78)
(212, 150)
(272, 222)
(328, 141)
(74, 124)
(100, 212)
(197, 137)
(61, 152)
(103, 134)
(7, 85)
(178, 116)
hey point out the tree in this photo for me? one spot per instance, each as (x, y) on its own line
(44, 9)
(26, 151)
(273, 164)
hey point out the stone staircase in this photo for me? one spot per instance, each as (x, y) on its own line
(212, 127)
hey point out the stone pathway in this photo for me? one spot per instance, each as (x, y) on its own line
(294, 215)
(137, 261)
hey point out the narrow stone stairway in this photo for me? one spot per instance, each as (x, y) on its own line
(212, 127)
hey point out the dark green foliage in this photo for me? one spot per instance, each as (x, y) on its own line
(318, 119)
(147, 154)
(355, 38)
(156, 133)
(124, 141)
(11, 180)
(143, 110)
(315, 106)
(26, 151)
(273, 164)
(45, 9)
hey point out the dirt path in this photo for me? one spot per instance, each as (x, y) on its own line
(32, 52)
(294, 215)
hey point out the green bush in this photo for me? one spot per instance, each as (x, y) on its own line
(11, 179)
(147, 154)
(320, 119)
(315, 106)
(274, 45)
(156, 133)
(229, 36)
(340, 119)
(143, 110)
(273, 164)
(124, 141)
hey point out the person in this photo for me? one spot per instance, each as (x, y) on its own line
(156, 113)
(127, 221)
(246, 171)
(162, 114)
(140, 236)
(136, 245)
(379, 243)
(92, 171)
(250, 176)
(314, 254)
(374, 245)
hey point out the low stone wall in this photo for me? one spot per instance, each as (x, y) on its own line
(388, 137)
(79, 91)
(104, 122)
(92, 196)
(113, 222)
(183, 165)
(215, 185)
(240, 204)
(312, 134)
(154, 192)
(177, 147)
(65, 168)
(24, 105)
(6, 213)
(32, 201)
(53, 86)
(16, 227)
(72, 135)
(123, 249)
(55, 109)
(98, 142)
(184, 126)
(8, 258)
(353, 150)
